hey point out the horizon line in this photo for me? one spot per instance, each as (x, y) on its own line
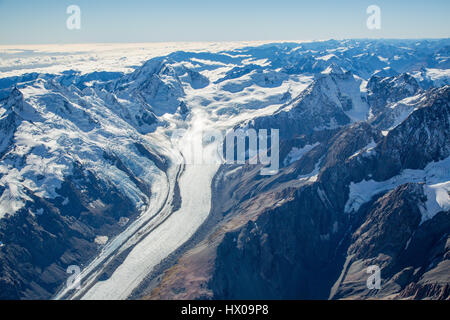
(220, 41)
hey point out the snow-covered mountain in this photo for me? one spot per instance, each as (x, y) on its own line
(93, 173)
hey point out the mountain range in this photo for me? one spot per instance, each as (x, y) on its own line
(93, 174)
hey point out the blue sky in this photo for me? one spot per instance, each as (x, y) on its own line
(44, 21)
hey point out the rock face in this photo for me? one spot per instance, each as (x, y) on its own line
(266, 262)
(407, 252)
(384, 91)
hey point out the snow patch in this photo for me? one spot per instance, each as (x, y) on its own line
(366, 151)
(297, 153)
(101, 240)
(326, 57)
(438, 199)
(435, 175)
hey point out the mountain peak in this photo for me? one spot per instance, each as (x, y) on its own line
(334, 69)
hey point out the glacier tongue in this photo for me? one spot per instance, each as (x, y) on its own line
(195, 191)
